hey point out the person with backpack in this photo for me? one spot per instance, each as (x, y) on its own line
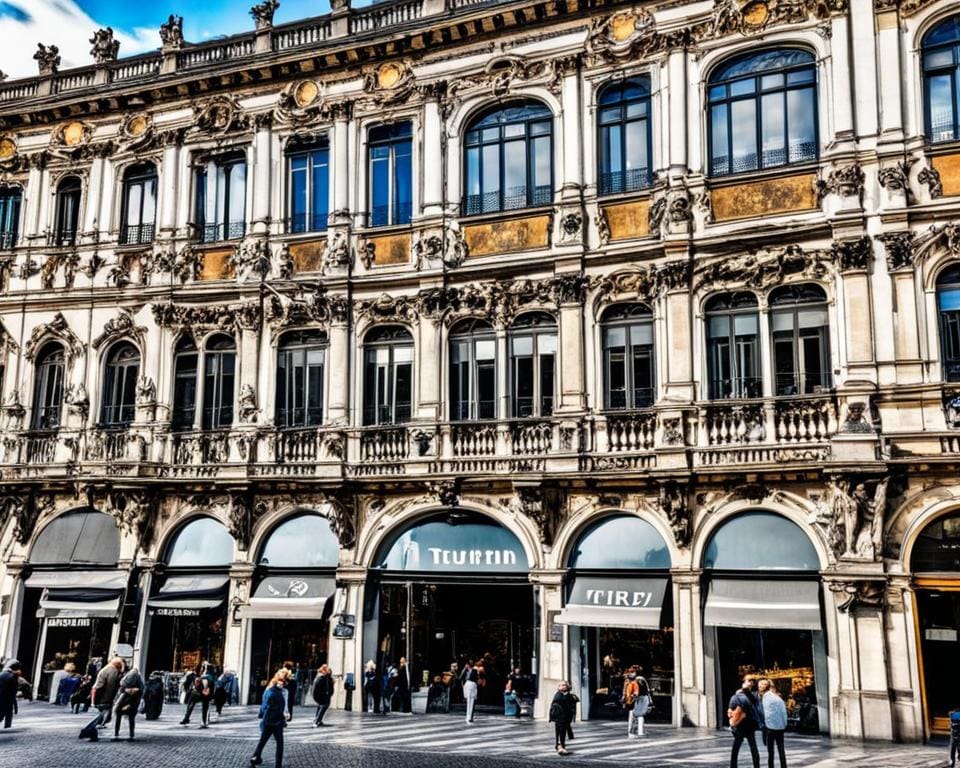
(273, 718)
(322, 693)
(563, 710)
(201, 693)
(127, 701)
(636, 694)
(744, 722)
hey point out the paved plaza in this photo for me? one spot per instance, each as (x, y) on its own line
(45, 736)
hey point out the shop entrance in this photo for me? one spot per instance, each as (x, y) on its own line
(275, 641)
(181, 639)
(939, 620)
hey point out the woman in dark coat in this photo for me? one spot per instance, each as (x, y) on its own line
(128, 700)
(153, 696)
(322, 692)
(563, 709)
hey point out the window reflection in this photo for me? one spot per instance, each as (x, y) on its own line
(201, 543)
(760, 541)
(622, 541)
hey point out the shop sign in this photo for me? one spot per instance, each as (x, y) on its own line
(65, 622)
(462, 548)
(940, 633)
(618, 593)
(177, 612)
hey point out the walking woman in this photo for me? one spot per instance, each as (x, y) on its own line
(470, 689)
(322, 691)
(273, 718)
(563, 709)
(128, 701)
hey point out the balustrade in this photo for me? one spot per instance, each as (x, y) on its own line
(378, 17)
(627, 433)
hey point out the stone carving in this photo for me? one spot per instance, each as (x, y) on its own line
(855, 522)
(853, 255)
(94, 265)
(336, 255)
(672, 433)
(620, 37)
(263, 14)
(899, 248)
(146, 391)
(240, 518)
(656, 214)
(14, 411)
(388, 83)
(852, 595)
(390, 308)
(69, 139)
(225, 317)
(119, 273)
(77, 400)
(368, 253)
(26, 509)
(844, 181)
(603, 227)
(856, 421)
(71, 263)
(285, 264)
(673, 505)
(105, 46)
(317, 308)
(301, 103)
(506, 73)
(764, 268)
(171, 33)
(753, 16)
(951, 407)
(894, 178)
(343, 517)
(57, 329)
(704, 204)
(48, 59)
(930, 177)
(448, 245)
(219, 115)
(542, 504)
(446, 491)
(251, 259)
(247, 405)
(121, 326)
(570, 223)
(335, 444)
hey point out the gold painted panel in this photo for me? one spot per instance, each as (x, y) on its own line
(308, 257)
(390, 249)
(948, 166)
(761, 198)
(217, 266)
(628, 220)
(508, 236)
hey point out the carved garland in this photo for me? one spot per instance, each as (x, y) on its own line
(59, 330)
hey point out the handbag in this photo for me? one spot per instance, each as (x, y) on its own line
(736, 716)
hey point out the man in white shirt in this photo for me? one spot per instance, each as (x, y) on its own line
(775, 718)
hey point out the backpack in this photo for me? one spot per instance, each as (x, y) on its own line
(631, 690)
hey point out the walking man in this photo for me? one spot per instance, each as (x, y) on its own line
(470, 689)
(103, 694)
(128, 701)
(322, 692)
(200, 693)
(273, 719)
(742, 714)
(291, 687)
(774, 719)
(9, 679)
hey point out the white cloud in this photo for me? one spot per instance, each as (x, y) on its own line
(24, 23)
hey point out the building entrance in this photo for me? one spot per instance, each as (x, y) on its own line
(939, 618)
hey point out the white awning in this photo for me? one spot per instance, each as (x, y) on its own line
(187, 584)
(618, 618)
(763, 604)
(50, 607)
(78, 579)
(289, 597)
(191, 592)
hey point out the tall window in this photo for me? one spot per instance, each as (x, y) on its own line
(941, 80)
(473, 371)
(221, 187)
(628, 356)
(801, 342)
(387, 376)
(10, 198)
(48, 389)
(120, 385)
(948, 303)
(309, 169)
(624, 135)
(300, 362)
(390, 148)
(533, 353)
(732, 347)
(139, 212)
(763, 111)
(509, 158)
(185, 385)
(219, 365)
(68, 211)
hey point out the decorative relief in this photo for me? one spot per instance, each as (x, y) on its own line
(303, 103)
(895, 178)
(48, 59)
(388, 84)
(505, 74)
(225, 317)
(136, 130)
(344, 516)
(643, 283)
(59, 330)
(251, 259)
(764, 268)
(70, 135)
(854, 515)
(602, 224)
(10, 159)
(857, 421)
(77, 400)
(121, 326)
(26, 509)
(930, 177)
(336, 254)
(853, 595)
(947, 168)
(532, 232)
(262, 14)
(318, 308)
(105, 46)
(247, 404)
(899, 248)
(146, 391)
(543, 505)
(617, 37)
(844, 181)
(753, 16)
(171, 33)
(854, 254)
(447, 246)
(673, 505)
(220, 115)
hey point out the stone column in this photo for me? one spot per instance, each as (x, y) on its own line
(553, 654)
(341, 165)
(901, 642)
(433, 161)
(45, 223)
(91, 213)
(570, 358)
(858, 320)
(234, 639)
(677, 99)
(889, 54)
(690, 699)
(169, 174)
(34, 193)
(338, 412)
(346, 654)
(142, 641)
(906, 331)
(427, 367)
(841, 75)
(262, 168)
(572, 181)
(864, 70)
(677, 360)
(13, 618)
(503, 373)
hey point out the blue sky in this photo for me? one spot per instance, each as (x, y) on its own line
(69, 24)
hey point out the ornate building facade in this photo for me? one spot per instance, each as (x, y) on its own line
(560, 335)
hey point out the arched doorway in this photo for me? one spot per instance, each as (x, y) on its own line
(619, 609)
(289, 610)
(935, 564)
(763, 615)
(72, 597)
(446, 589)
(187, 610)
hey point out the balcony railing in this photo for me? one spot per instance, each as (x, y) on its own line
(215, 233)
(136, 234)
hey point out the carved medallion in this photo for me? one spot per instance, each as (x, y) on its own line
(622, 26)
(74, 133)
(137, 125)
(755, 14)
(389, 76)
(8, 148)
(306, 93)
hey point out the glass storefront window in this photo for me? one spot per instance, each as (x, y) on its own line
(760, 541)
(623, 541)
(937, 548)
(305, 541)
(201, 543)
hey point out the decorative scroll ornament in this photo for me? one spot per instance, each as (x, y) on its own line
(71, 135)
(336, 254)
(220, 115)
(25, 509)
(301, 103)
(171, 33)
(136, 130)
(752, 16)
(844, 181)
(616, 38)
(899, 248)
(56, 330)
(390, 308)
(504, 74)
(343, 517)
(121, 326)
(48, 59)
(764, 268)
(388, 83)
(643, 283)
(318, 308)
(447, 246)
(251, 259)
(895, 178)
(10, 159)
(673, 505)
(240, 518)
(224, 317)
(247, 405)
(105, 46)
(603, 227)
(854, 595)
(854, 254)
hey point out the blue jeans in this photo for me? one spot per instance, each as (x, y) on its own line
(266, 732)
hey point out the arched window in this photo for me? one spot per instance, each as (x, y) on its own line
(309, 184)
(304, 541)
(185, 385)
(941, 80)
(120, 385)
(733, 360)
(219, 364)
(201, 543)
(67, 211)
(48, 390)
(624, 135)
(763, 111)
(387, 376)
(620, 541)
(948, 304)
(139, 204)
(390, 150)
(533, 352)
(799, 331)
(300, 363)
(509, 158)
(627, 356)
(473, 371)
(10, 199)
(937, 548)
(79, 537)
(760, 541)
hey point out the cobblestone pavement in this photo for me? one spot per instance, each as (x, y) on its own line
(45, 736)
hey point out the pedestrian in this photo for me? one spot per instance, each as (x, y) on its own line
(322, 692)
(389, 687)
(273, 719)
(81, 696)
(403, 687)
(744, 722)
(371, 688)
(128, 701)
(290, 685)
(186, 686)
(563, 710)
(102, 696)
(201, 693)
(231, 687)
(222, 689)
(9, 679)
(68, 684)
(470, 689)
(954, 737)
(774, 720)
(153, 696)
(640, 690)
